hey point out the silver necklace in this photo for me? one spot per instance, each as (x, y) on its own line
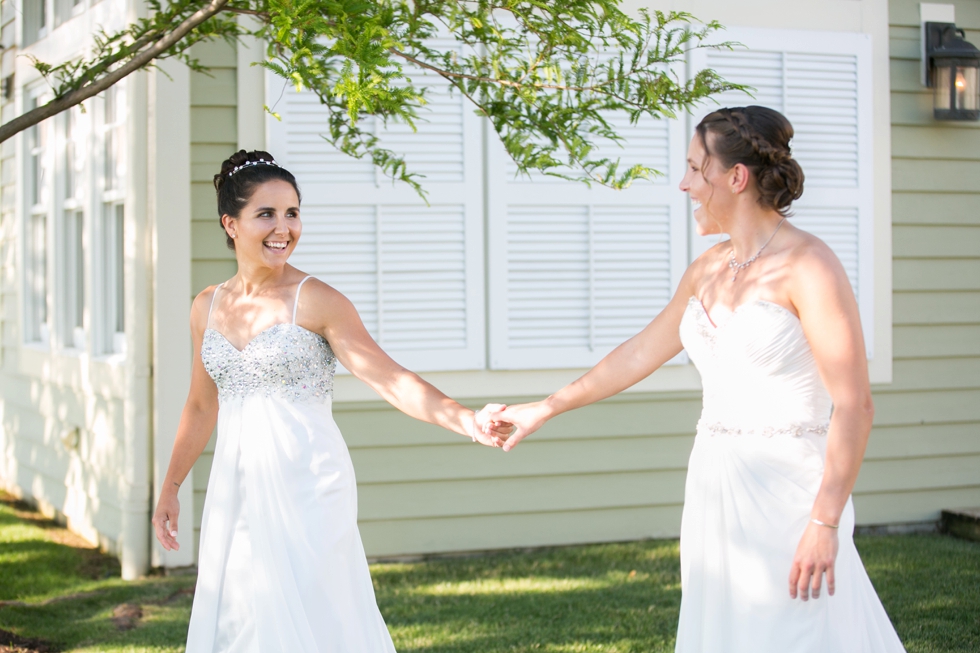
(738, 267)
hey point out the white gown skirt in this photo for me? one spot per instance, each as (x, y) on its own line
(281, 564)
(747, 502)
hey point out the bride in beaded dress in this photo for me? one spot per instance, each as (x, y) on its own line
(281, 566)
(772, 325)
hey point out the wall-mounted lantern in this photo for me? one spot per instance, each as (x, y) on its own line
(953, 72)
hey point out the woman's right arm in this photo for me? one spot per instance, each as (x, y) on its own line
(626, 365)
(197, 422)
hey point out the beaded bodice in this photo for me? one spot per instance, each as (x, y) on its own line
(284, 360)
(757, 370)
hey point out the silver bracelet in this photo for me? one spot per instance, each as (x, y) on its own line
(820, 523)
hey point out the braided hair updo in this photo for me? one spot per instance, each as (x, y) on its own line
(240, 175)
(757, 137)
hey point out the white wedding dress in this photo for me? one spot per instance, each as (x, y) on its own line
(754, 473)
(281, 565)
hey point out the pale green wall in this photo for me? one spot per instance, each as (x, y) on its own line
(924, 454)
(615, 471)
(612, 471)
(214, 137)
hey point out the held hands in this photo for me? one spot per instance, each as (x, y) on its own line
(165, 519)
(814, 557)
(519, 421)
(485, 431)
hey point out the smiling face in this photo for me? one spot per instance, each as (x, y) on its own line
(268, 227)
(710, 187)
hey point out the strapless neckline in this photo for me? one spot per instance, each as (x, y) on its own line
(696, 301)
(757, 369)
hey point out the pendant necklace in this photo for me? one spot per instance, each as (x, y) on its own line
(738, 267)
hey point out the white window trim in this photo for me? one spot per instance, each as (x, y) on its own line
(73, 339)
(31, 210)
(108, 343)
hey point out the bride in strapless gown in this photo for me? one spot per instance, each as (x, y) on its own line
(753, 476)
(772, 325)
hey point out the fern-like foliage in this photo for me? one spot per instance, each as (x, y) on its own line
(547, 75)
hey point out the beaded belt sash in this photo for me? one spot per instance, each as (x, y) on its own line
(792, 430)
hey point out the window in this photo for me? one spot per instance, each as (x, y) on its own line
(113, 138)
(570, 271)
(111, 228)
(65, 10)
(113, 282)
(72, 259)
(73, 229)
(36, 268)
(35, 21)
(36, 323)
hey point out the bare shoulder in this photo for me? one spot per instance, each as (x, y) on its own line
(321, 305)
(816, 274)
(201, 307)
(812, 259)
(316, 292)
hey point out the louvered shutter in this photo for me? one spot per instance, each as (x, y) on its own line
(414, 271)
(821, 81)
(575, 271)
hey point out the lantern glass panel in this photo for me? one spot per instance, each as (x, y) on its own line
(967, 88)
(940, 87)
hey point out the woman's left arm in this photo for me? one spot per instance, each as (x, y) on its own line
(338, 321)
(821, 293)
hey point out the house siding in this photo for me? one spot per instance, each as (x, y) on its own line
(616, 470)
(214, 136)
(924, 453)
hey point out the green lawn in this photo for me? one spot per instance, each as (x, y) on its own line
(620, 598)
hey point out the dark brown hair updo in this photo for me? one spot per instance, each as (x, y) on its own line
(757, 137)
(240, 175)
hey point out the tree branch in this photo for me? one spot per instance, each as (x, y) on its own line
(248, 12)
(57, 105)
(502, 82)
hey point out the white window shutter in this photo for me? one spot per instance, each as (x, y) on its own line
(414, 271)
(821, 81)
(575, 271)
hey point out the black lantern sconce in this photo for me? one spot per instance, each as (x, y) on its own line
(953, 72)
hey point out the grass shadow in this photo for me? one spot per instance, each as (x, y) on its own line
(613, 598)
(619, 597)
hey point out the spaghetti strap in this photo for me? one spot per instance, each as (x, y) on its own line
(211, 307)
(296, 300)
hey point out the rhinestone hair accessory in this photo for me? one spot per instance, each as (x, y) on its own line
(251, 163)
